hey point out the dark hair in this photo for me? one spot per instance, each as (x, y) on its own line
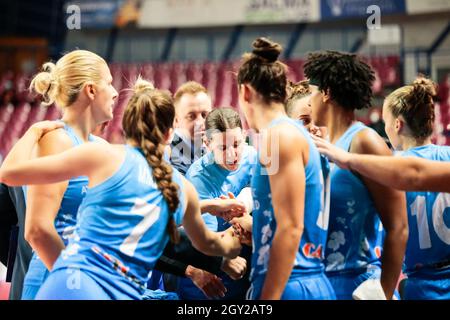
(296, 91)
(348, 78)
(415, 104)
(148, 116)
(221, 119)
(264, 72)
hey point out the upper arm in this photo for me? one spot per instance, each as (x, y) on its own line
(192, 220)
(287, 183)
(45, 199)
(390, 203)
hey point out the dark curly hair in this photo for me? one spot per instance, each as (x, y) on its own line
(348, 78)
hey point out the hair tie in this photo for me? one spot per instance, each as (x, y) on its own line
(269, 55)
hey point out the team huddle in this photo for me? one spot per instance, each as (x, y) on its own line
(312, 209)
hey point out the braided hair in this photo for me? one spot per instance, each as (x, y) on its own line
(147, 119)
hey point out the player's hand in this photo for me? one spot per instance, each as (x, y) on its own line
(210, 284)
(243, 228)
(234, 268)
(227, 208)
(320, 132)
(337, 155)
(39, 129)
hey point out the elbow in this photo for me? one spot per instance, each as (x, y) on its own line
(292, 232)
(36, 234)
(400, 233)
(297, 232)
(7, 177)
(417, 182)
(413, 179)
(4, 177)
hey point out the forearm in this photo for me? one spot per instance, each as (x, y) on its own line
(222, 244)
(207, 205)
(168, 265)
(392, 260)
(397, 172)
(282, 257)
(181, 255)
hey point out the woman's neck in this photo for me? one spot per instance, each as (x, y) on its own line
(267, 113)
(80, 119)
(410, 142)
(338, 120)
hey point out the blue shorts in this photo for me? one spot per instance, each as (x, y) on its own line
(299, 287)
(426, 287)
(71, 284)
(345, 283)
(36, 275)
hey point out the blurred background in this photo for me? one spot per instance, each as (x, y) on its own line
(172, 41)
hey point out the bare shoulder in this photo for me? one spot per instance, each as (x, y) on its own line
(53, 142)
(367, 141)
(287, 139)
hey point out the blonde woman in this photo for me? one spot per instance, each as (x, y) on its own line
(80, 85)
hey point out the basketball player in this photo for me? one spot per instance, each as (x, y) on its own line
(225, 169)
(79, 84)
(408, 113)
(133, 203)
(289, 231)
(355, 251)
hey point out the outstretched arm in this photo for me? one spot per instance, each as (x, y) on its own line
(204, 240)
(403, 173)
(19, 169)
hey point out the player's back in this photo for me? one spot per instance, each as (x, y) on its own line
(309, 258)
(429, 234)
(122, 227)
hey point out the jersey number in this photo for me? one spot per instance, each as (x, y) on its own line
(150, 212)
(419, 209)
(324, 214)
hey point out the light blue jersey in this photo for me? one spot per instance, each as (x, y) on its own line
(211, 181)
(120, 234)
(427, 258)
(65, 222)
(355, 234)
(309, 258)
